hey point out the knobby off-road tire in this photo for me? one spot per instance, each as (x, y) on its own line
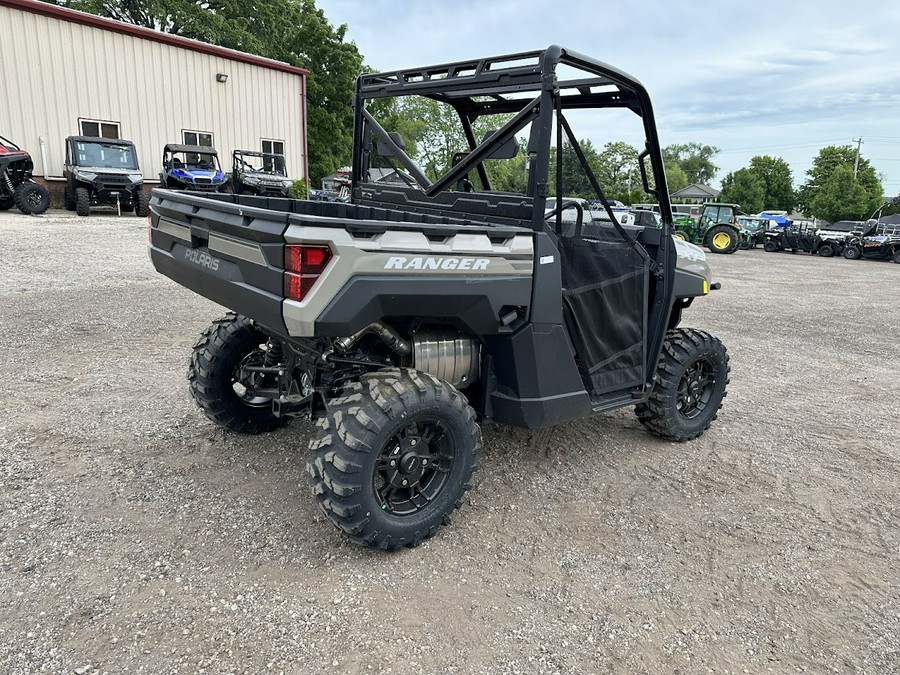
(770, 246)
(82, 202)
(213, 371)
(692, 378)
(142, 205)
(6, 203)
(32, 199)
(852, 253)
(826, 251)
(896, 257)
(393, 457)
(722, 240)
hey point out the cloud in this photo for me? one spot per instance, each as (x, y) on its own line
(781, 74)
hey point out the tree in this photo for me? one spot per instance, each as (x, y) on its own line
(695, 159)
(830, 159)
(842, 197)
(293, 31)
(777, 180)
(744, 187)
(676, 179)
(617, 168)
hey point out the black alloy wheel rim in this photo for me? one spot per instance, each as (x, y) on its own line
(413, 467)
(695, 388)
(33, 198)
(244, 387)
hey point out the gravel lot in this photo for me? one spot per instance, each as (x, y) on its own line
(137, 537)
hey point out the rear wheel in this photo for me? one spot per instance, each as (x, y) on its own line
(69, 199)
(219, 386)
(393, 457)
(692, 377)
(31, 198)
(722, 240)
(896, 257)
(852, 252)
(826, 251)
(770, 246)
(6, 203)
(82, 202)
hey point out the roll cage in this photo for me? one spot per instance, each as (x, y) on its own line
(497, 85)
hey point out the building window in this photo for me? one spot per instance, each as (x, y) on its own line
(99, 128)
(204, 138)
(274, 147)
(201, 138)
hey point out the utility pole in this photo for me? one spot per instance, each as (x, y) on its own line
(858, 142)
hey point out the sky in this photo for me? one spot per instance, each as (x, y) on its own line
(751, 78)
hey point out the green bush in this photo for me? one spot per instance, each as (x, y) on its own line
(298, 189)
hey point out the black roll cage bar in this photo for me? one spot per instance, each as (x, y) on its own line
(486, 87)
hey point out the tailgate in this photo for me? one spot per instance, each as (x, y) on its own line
(228, 253)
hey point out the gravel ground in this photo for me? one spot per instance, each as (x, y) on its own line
(137, 537)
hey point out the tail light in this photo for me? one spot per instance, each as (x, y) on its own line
(303, 263)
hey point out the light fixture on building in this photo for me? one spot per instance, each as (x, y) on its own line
(221, 77)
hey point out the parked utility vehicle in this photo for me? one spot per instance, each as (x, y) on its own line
(103, 172)
(191, 167)
(17, 187)
(259, 173)
(402, 317)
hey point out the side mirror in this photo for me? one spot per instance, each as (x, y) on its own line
(506, 151)
(384, 150)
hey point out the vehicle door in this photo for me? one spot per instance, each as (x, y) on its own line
(605, 290)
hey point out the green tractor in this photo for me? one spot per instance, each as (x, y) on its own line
(716, 228)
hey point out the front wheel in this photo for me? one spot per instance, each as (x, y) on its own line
(826, 251)
(692, 377)
(681, 234)
(219, 384)
(722, 240)
(770, 246)
(32, 199)
(393, 457)
(142, 205)
(852, 252)
(896, 257)
(82, 202)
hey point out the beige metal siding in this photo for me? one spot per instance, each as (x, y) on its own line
(153, 90)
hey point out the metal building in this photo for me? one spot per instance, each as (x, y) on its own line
(65, 73)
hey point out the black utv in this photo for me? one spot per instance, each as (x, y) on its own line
(17, 187)
(103, 172)
(259, 173)
(879, 237)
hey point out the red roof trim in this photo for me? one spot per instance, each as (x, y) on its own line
(65, 14)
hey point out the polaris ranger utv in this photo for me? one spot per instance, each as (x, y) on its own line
(400, 319)
(103, 172)
(259, 173)
(17, 187)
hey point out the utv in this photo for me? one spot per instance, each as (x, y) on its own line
(794, 239)
(191, 167)
(103, 172)
(17, 187)
(879, 237)
(402, 318)
(259, 173)
(716, 228)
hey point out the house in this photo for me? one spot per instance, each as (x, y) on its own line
(696, 194)
(91, 76)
